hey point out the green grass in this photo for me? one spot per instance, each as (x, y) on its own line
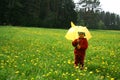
(45, 54)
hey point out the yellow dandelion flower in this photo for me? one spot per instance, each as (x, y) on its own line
(23, 74)
(15, 66)
(17, 72)
(102, 58)
(63, 74)
(69, 62)
(35, 64)
(32, 78)
(72, 74)
(2, 66)
(77, 79)
(77, 67)
(112, 79)
(56, 71)
(91, 72)
(24, 60)
(108, 76)
(86, 68)
(58, 64)
(81, 74)
(16, 56)
(64, 62)
(97, 70)
(43, 75)
(23, 64)
(102, 77)
(103, 62)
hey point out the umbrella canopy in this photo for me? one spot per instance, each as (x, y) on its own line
(85, 30)
(73, 32)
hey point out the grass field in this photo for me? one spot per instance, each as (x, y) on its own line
(45, 54)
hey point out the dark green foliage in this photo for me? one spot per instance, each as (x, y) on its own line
(46, 13)
(56, 14)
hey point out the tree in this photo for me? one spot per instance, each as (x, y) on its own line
(90, 10)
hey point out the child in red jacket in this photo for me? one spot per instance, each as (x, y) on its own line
(80, 45)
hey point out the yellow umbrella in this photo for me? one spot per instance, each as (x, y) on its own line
(73, 32)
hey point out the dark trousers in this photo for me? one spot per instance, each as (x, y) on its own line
(79, 59)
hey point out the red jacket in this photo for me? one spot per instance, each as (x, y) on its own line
(83, 43)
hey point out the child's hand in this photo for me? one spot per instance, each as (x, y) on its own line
(78, 40)
(78, 46)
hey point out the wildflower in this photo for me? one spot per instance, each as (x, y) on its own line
(90, 72)
(35, 64)
(85, 69)
(58, 64)
(23, 74)
(97, 70)
(16, 56)
(76, 67)
(17, 72)
(77, 79)
(2, 66)
(112, 79)
(82, 74)
(63, 74)
(103, 62)
(23, 64)
(56, 71)
(102, 77)
(32, 78)
(69, 62)
(15, 66)
(72, 74)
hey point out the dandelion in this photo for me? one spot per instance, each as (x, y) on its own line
(81, 74)
(15, 66)
(56, 71)
(63, 74)
(64, 62)
(58, 64)
(23, 64)
(23, 74)
(32, 78)
(108, 76)
(17, 72)
(69, 62)
(43, 75)
(35, 64)
(102, 58)
(103, 62)
(76, 67)
(102, 77)
(72, 74)
(85, 69)
(112, 79)
(97, 70)
(91, 72)
(16, 56)
(24, 60)
(2, 66)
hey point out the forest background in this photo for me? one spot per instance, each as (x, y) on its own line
(57, 14)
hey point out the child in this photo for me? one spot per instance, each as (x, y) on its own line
(80, 45)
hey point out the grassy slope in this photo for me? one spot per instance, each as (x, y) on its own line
(45, 54)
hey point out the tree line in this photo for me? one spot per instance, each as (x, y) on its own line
(56, 14)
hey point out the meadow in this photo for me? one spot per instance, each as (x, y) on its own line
(45, 54)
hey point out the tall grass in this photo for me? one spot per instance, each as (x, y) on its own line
(45, 54)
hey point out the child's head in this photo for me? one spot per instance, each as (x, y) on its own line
(81, 34)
